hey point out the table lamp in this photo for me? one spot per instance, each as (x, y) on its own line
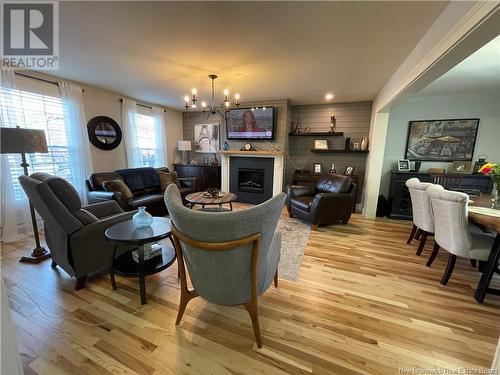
(26, 141)
(184, 146)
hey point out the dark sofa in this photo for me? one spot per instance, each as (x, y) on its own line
(144, 184)
(330, 201)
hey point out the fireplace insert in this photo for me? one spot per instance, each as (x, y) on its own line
(251, 180)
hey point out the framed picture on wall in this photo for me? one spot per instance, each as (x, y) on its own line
(206, 138)
(317, 167)
(441, 140)
(461, 166)
(349, 170)
(321, 144)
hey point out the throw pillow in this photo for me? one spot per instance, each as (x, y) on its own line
(167, 179)
(118, 186)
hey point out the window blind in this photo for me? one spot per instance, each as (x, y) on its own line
(146, 141)
(37, 111)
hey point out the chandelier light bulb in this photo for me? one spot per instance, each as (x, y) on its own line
(237, 96)
(193, 106)
(226, 92)
(203, 104)
(186, 98)
(227, 104)
(194, 91)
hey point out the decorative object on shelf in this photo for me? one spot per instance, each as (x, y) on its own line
(26, 141)
(194, 161)
(225, 146)
(205, 160)
(493, 170)
(207, 109)
(184, 146)
(442, 140)
(333, 123)
(151, 250)
(317, 167)
(356, 145)
(206, 138)
(349, 170)
(142, 219)
(364, 143)
(321, 144)
(215, 161)
(403, 165)
(479, 163)
(307, 129)
(104, 133)
(416, 166)
(347, 143)
(296, 130)
(332, 170)
(248, 147)
(461, 166)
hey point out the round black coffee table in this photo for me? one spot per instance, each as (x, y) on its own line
(125, 233)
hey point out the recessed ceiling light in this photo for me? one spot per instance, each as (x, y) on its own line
(329, 96)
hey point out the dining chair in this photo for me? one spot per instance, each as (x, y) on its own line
(423, 221)
(452, 232)
(449, 182)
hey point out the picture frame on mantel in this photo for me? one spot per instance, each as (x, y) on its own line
(321, 144)
(207, 138)
(317, 168)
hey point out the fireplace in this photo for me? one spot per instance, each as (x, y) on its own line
(251, 179)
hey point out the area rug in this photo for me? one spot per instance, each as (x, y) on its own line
(294, 237)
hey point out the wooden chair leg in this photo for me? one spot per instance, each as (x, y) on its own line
(276, 278)
(412, 234)
(314, 226)
(254, 316)
(185, 298)
(421, 245)
(473, 263)
(449, 269)
(80, 282)
(418, 235)
(434, 254)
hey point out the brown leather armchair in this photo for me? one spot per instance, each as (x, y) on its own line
(330, 201)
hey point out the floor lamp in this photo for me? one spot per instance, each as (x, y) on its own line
(184, 146)
(26, 141)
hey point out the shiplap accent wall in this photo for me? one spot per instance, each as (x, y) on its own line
(352, 118)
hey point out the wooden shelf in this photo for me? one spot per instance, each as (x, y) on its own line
(258, 152)
(339, 151)
(317, 134)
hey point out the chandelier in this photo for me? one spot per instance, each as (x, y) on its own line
(191, 103)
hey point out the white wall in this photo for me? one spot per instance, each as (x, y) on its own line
(485, 106)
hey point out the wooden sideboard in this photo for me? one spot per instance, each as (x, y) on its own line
(399, 196)
(207, 176)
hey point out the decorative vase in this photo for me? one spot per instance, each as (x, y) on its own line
(142, 219)
(495, 193)
(225, 146)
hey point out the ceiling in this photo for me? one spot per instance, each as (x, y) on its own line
(158, 51)
(479, 72)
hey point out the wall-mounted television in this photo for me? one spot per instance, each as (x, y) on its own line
(250, 123)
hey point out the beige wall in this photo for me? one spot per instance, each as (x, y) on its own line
(100, 102)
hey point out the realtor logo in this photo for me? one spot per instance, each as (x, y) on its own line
(30, 35)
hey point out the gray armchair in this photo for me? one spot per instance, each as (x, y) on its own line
(74, 234)
(231, 257)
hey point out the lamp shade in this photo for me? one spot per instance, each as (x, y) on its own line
(22, 141)
(184, 145)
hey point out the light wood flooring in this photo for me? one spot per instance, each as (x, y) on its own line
(364, 304)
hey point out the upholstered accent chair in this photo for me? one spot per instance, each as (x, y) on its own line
(423, 221)
(73, 233)
(231, 257)
(330, 201)
(452, 232)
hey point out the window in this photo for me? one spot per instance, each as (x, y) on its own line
(147, 141)
(37, 111)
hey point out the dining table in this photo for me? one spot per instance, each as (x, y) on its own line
(481, 212)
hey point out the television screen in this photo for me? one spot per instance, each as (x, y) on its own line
(250, 123)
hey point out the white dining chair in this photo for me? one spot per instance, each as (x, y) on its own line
(423, 221)
(452, 231)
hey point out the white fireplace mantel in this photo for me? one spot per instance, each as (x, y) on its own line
(277, 173)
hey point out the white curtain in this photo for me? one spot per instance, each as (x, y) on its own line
(78, 143)
(132, 150)
(14, 223)
(160, 137)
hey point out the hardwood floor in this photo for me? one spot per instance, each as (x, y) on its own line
(364, 304)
